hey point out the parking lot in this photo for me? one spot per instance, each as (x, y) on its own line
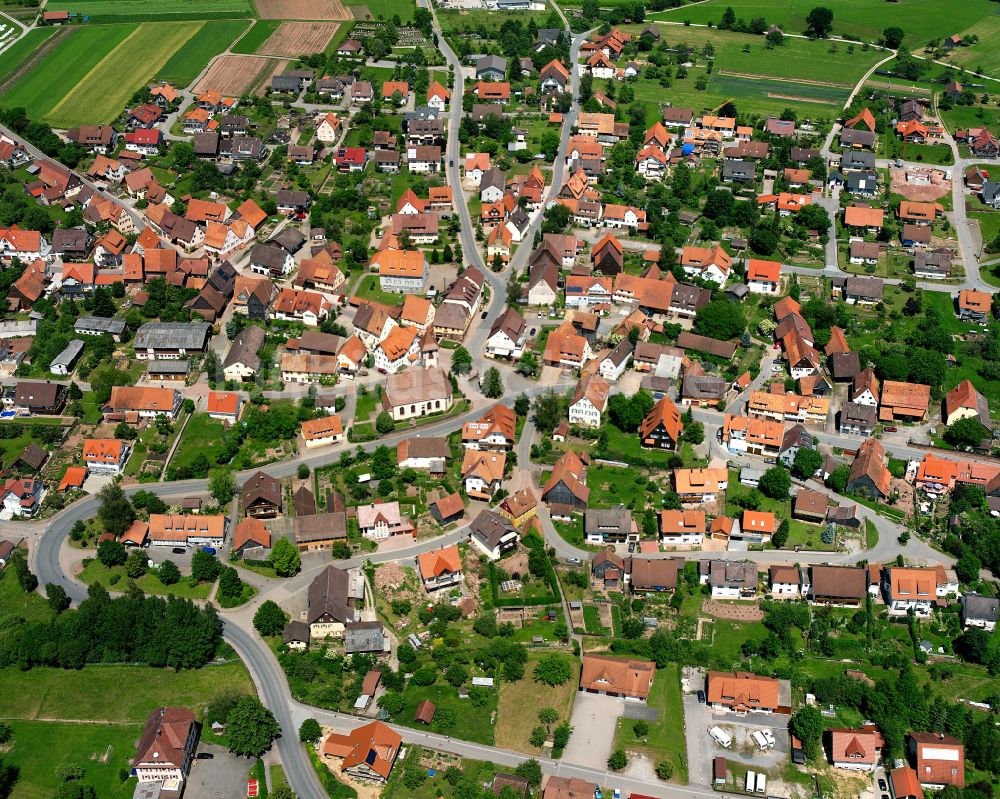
(701, 747)
(222, 777)
(594, 721)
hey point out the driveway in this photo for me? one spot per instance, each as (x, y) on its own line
(223, 777)
(701, 747)
(595, 719)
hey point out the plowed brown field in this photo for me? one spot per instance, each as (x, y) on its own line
(299, 38)
(302, 9)
(233, 75)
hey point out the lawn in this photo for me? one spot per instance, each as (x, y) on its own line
(128, 10)
(387, 9)
(983, 56)
(186, 64)
(517, 712)
(104, 91)
(64, 67)
(14, 56)
(96, 692)
(611, 486)
(100, 749)
(369, 289)
(257, 36)
(625, 447)
(800, 73)
(922, 21)
(473, 723)
(113, 718)
(97, 572)
(665, 739)
(806, 536)
(31, 607)
(366, 404)
(729, 636)
(203, 434)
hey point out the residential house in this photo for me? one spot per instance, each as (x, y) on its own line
(742, 692)
(627, 678)
(590, 399)
(493, 534)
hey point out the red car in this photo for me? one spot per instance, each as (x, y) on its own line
(891, 429)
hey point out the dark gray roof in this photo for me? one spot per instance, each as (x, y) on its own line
(295, 631)
(744, 170)
(172, 335)
(269, 255)
(206, 143)
(490, 527)
(854, 413)
(245, 347)
(99, 324)
(364, 636)
(863, 286)
(981, 608)
(290, 239)
(844, 365)
(491, 62)
(621, 351)
(329, 595)
(607, 520)
(706, 387)
(991, 191)
(865, 182)
(69, 240)
(862, 138)
(493, 177)
(857, 159)
(284, 83)
(168, 367)
(289, 197)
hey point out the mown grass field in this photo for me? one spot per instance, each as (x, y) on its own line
(800, 74)
(44, 693)
(214, 37)
(104, 91)
(64, 67)
(138, 10)
(100, 749)
(517, 713)
(202, 434)
(41, 704)
(387, 9)
(922, 20)
(257, 36)
(14, 56)
(665, 740)
(97, 572)
(983, 56)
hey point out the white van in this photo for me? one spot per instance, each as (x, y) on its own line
(761, 783)
(721, 736)
(751, 781)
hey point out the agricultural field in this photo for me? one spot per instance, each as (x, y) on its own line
(14, 56)
(303, 9)
(105, 89)
(299, 38)
(233, 75)
(922, 20)
(90, 74)
(801, 74)
(256, 36)
(387, 9)
(214, 37)
(983, 56)
(64, 67)
(140, 10)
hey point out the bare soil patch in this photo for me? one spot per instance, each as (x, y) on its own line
(233, 75)
(303, 9)
(742, 612)
(910, 183)
(299, 38)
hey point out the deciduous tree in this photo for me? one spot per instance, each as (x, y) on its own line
(251, 728)
(285, 558)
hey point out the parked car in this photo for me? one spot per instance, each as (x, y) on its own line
(484, 314)
(206, 756)
(891, 429)
(178, 550)
(209, 550)
(882, 786)
(701, 697)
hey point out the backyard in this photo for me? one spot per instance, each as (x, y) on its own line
(517, 712)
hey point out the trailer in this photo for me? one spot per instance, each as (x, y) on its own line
(761, 783)
(751, 781)
(763, 738)
(721, 736)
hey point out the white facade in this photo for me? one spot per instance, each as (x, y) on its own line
(584, 414)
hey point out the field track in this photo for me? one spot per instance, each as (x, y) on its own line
(299, 38)
(805, 81)
(232, 75)
(303, 9)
